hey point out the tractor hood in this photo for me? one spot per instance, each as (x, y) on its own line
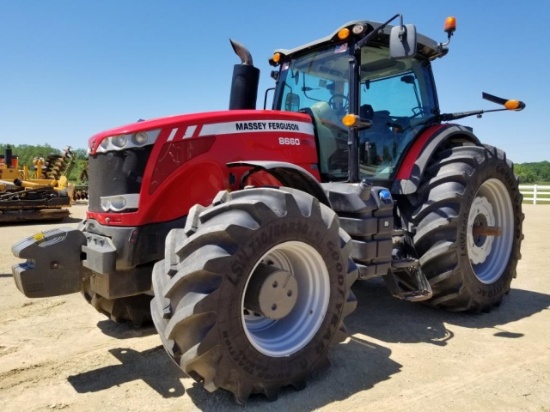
(167, 129)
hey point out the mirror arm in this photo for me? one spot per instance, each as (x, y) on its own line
(402, 30)
(369, 36)
(445, 117)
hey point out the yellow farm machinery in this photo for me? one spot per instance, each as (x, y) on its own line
(42, 195)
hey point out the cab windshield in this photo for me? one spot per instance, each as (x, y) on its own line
(396, 96)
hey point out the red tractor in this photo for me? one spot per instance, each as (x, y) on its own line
(241, 232)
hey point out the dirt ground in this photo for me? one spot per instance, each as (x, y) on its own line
(60, 354)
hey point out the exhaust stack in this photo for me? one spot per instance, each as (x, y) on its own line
(244, 84)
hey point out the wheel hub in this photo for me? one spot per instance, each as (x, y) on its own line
(298, 268)
(272, 292)
(479, 244)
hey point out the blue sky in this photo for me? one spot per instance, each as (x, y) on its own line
(70, 69)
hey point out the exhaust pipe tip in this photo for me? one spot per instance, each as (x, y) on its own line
(242, 52)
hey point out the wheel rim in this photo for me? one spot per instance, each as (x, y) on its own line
(489, 255)
(285, 336)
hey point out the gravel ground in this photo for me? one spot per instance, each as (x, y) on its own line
(59, 353)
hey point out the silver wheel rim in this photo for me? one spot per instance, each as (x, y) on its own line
(489, 255)
(283, 337)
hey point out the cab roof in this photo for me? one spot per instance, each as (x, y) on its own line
(426, 47)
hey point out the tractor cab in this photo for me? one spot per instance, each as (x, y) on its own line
(369, 89)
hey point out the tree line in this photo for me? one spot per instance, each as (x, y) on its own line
(26, 153)
(537, 172)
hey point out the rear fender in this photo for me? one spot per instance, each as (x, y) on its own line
(287, 174)
(422, 150)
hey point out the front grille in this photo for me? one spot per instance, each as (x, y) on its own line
(115, 173)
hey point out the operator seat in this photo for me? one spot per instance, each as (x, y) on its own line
(321, 111)
(366, 112)
(379, 134)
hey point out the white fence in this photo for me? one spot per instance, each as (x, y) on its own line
(535, 193)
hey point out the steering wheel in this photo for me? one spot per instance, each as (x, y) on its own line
(345, 103)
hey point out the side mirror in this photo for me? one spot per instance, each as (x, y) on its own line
(403, 41)
(292, 102)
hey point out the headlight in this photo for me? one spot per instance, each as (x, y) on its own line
(119, 141)
(358, 29)
(128, 141)
(140, 138)
(119, 203)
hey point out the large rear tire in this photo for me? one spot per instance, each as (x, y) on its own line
(464, 190)
(253, 291)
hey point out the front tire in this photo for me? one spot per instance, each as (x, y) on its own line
(134, 310)
(468, 219)
(253, 291)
